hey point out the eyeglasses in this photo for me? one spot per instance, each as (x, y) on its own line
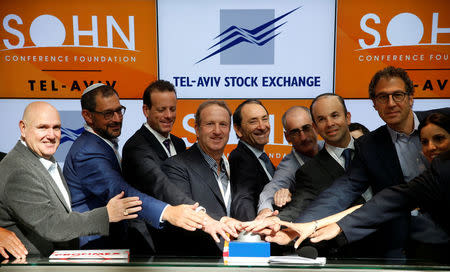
(109, 114)
(397, 97)
(296, 131)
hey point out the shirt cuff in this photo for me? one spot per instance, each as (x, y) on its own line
(265, 205)
(200, 209)
(161, 216)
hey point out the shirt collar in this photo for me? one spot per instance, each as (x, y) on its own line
(158, 135)
(114, 143)
(255, 151)
(338, 150)
(47, 163)
(213, 163)
(395, 135)
(305, 158)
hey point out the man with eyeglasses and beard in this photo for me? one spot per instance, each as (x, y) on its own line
(93, 173)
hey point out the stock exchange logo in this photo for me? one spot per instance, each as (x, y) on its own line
(247, 36)
(70, 135)
(72, 125)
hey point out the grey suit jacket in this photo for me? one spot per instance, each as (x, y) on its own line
(284, 177)
(32, 206)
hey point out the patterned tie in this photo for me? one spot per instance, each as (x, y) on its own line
(166, 143)
(269, 166)
(347, 156)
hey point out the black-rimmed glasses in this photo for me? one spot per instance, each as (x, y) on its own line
(396, 96)
(109, 114)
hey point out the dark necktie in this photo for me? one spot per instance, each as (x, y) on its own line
(269, 166)
(347, 156)
(166, 143)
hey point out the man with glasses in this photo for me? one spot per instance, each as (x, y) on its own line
(299, 131)
(93, 173)
(387, 156)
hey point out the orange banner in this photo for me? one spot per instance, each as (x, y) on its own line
(54, 49)
(277, 147)
(412, 34)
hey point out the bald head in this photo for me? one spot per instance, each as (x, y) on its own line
(40, 128)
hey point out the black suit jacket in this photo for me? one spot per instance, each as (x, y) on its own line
(142, 158)
(248, 180)
(311, 179)
(192, 175)
(430, 191)
(375, 164)
(2, 155)
(141, 166)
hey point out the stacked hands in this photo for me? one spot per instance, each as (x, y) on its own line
(190, 218)
(184, 216)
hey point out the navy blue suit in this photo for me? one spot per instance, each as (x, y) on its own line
(94, 176)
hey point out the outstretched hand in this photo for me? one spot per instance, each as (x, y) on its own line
(215, 228)
(282, 237)
(260, 225)
(326, 233)
(184, 216)
(303, 230)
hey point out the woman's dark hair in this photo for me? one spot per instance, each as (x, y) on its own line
(438, 119)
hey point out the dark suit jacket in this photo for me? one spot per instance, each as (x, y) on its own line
(430, 191)
(94, 177)
(311, 179)
(192, 175)
(141, 166)
(2, 155)
(248, 180)
(33, 207)
(142, 158)
(375, 164)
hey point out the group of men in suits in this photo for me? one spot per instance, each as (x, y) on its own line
(388, 156)
(203, 194)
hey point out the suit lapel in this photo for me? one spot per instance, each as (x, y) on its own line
(387, 155)
(201, 168)
(151, 139)
(259, 166)
(179, 147)
(25, 151)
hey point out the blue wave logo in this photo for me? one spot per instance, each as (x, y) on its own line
(70, 135)
(258, 36)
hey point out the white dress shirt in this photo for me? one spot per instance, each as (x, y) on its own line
(161, 139)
